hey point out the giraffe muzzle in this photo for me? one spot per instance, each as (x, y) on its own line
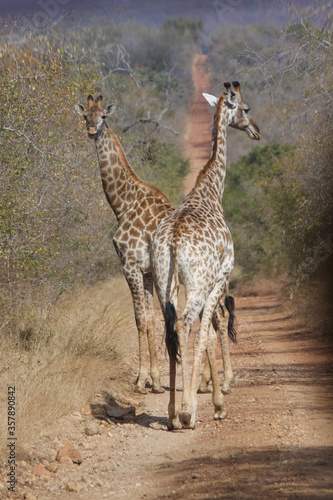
(92, 130)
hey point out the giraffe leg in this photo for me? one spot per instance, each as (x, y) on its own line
(205, 378)
(218, 400)
(149, 303)
(200, 345)
(183, 330)
(206, 375)
(135, 283)
(173, 410)
(220, 322)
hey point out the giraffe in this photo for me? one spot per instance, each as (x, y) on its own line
(138, 208)
(193, 246)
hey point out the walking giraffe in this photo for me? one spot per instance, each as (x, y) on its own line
(193, 246)
(138, 208)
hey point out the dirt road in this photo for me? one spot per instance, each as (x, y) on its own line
(276, 442)
(198, 133)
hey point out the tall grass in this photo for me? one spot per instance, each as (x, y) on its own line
(88, 339)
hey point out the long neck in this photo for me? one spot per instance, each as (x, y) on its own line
(120, 183)
(210, 181)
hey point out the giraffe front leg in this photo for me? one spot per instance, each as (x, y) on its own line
(205, 379)
(149, 303)
(220, 322)
(135, 283)
(220, 410)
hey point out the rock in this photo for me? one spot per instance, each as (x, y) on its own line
(30, 479)
(85, 409)
(118, 411)
(67, 450)
(66, 461)
(73, 486)
(22, 463)
(29, 496)
(40, 471)
(52, 467)
(92, 429)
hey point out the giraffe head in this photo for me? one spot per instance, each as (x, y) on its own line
(238, 116)
(94, 114)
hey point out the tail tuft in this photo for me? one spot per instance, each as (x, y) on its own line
(171, 337)
(230, 305)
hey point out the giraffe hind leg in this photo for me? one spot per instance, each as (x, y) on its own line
(221, 321)
(201, 343)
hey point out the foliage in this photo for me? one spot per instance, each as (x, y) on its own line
(251, 202)
(55, 224)
(289, 80)
(181, 26)
(168, 169)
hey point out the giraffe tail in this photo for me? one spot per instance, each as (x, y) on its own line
(171, 336)
(229, 303)
(170, 315)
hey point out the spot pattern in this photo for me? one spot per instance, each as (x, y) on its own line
(193, 246)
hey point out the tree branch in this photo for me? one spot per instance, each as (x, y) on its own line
(150, 120)
(21, 134)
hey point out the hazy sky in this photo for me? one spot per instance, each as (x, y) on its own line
(212, 12)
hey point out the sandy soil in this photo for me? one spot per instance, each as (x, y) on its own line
(276, 442)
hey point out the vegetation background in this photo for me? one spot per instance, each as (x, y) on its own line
(58, 268)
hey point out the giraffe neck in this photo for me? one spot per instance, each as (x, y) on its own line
(120, 183)
(211, 179)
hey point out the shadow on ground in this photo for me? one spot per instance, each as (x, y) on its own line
(304, 473)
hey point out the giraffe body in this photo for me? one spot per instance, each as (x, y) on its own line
(138, 208)
(193, 246)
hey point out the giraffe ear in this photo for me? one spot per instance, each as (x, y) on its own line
(109, 110)
(211, 99)
(80, 109)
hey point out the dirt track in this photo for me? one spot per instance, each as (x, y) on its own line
(276, 442)
(198, 133)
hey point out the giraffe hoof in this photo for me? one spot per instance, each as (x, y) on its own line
(220, 414)
(203, 390)
(225, 390)
(185, 419)
(157, 390)
(140, 390)
(174, 425)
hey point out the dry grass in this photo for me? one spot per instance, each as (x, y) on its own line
(87, 339)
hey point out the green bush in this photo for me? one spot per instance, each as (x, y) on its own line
(250, 203)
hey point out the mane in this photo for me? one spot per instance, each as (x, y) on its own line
(205, 170)
(124, 161)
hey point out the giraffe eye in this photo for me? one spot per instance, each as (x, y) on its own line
(246, 110)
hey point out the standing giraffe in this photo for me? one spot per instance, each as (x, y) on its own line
(138, 208)
(193, 246)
